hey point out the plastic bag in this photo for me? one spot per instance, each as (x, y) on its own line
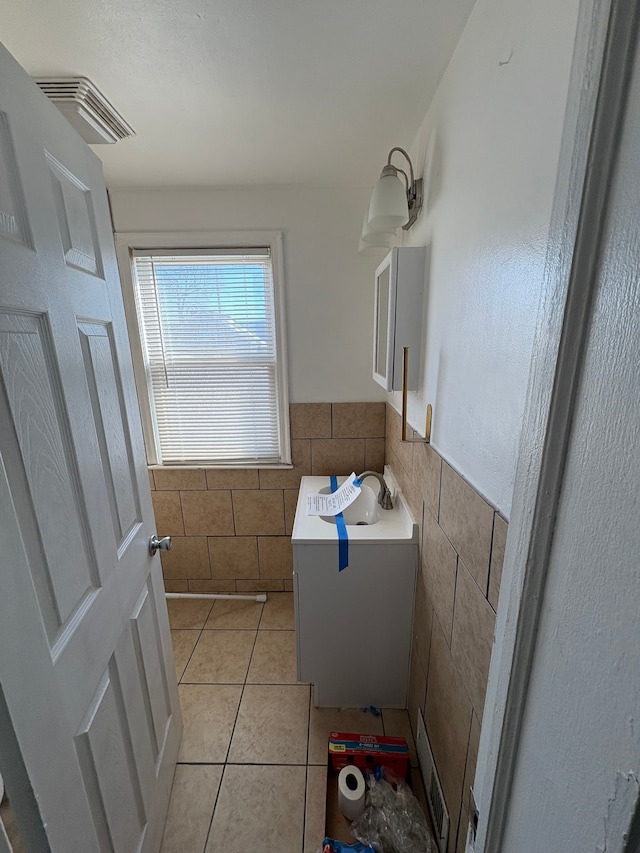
(393, 821)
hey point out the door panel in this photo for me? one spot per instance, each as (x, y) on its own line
(85, 656)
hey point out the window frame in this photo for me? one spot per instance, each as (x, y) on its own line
(126, 244)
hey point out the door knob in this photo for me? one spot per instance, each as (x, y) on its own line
(156, 544)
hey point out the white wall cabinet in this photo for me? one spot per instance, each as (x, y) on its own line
(398, 316)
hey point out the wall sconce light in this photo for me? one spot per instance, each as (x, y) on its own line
(393, 205)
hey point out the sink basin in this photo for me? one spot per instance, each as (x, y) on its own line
(363, 511)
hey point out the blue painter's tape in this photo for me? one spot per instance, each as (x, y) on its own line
(343, 539)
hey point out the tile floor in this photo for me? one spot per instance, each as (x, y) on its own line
(251, 771)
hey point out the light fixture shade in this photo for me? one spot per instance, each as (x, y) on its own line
(374, 248)
(388, 208)
(376, 238)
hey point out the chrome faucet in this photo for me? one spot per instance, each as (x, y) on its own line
(384, 495)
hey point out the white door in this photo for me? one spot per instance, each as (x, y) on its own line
(89, 716)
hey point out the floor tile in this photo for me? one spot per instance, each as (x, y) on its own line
(315, 808)
(259, 808)
(184, 642)
(325, 720)
(396, 724)
(209, 713)
(235, 614)
(188, 612)
(220, 657)
(193, 797)
(274, 658)
(272, 725)
(278, 612)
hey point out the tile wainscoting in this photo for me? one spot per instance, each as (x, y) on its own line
(462, 543)
(231, 528)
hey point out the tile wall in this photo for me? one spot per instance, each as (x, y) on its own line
(462, 541)
(231, 528)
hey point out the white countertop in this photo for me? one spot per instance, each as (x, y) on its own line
(394, 525)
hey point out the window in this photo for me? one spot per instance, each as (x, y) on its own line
(210, 339)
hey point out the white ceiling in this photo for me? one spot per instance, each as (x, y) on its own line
(246, 92)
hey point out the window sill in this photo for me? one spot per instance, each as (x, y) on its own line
(200, 467)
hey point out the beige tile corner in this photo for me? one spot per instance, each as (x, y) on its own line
(472, 641)
(500, 529)
(193, 797)
(278, 613)
(168, 513)
(439, 563)
(274, 658)
(272, 726)
(467, 519)
(220, 657)
(209, 713)
(374, 454)
(448, 719)
(428, 474)
(290, 504)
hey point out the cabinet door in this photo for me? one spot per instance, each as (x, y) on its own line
(384, 324)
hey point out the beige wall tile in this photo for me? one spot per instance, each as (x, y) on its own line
(427, 474)
(422, 622)
(233, 556)
(176, 586)
(210, 587)
(152, 482)
(262, 585)
(467, 519)
(289, 478)
(461, 845)
(188, 558)
(310, 420)
(180, 478)
(413, 497)
(402, 450)
(448, 720)
(207, 513)
(358, 420)
(168, 513)
(470, 768)
(290, 504)
(374, 454)
(276, 556)
(500, 528)
(439, 563)
(396, 724)
(337, 456)
(232, 478)
(258, 513)
(472, 642)
(288, 584)
(417, 688)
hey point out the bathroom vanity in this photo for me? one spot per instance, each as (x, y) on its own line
(353, 627)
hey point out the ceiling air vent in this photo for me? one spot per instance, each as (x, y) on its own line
(86, 108)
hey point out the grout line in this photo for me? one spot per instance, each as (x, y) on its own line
(200, 631)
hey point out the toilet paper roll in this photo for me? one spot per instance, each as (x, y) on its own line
(351, 791)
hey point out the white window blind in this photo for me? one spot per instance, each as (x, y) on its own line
(208, 330)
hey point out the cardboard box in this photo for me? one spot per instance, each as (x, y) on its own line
(368, 751)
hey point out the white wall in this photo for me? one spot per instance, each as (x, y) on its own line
(489, 145)
(329, 288)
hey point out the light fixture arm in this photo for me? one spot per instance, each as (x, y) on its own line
(414, 188)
